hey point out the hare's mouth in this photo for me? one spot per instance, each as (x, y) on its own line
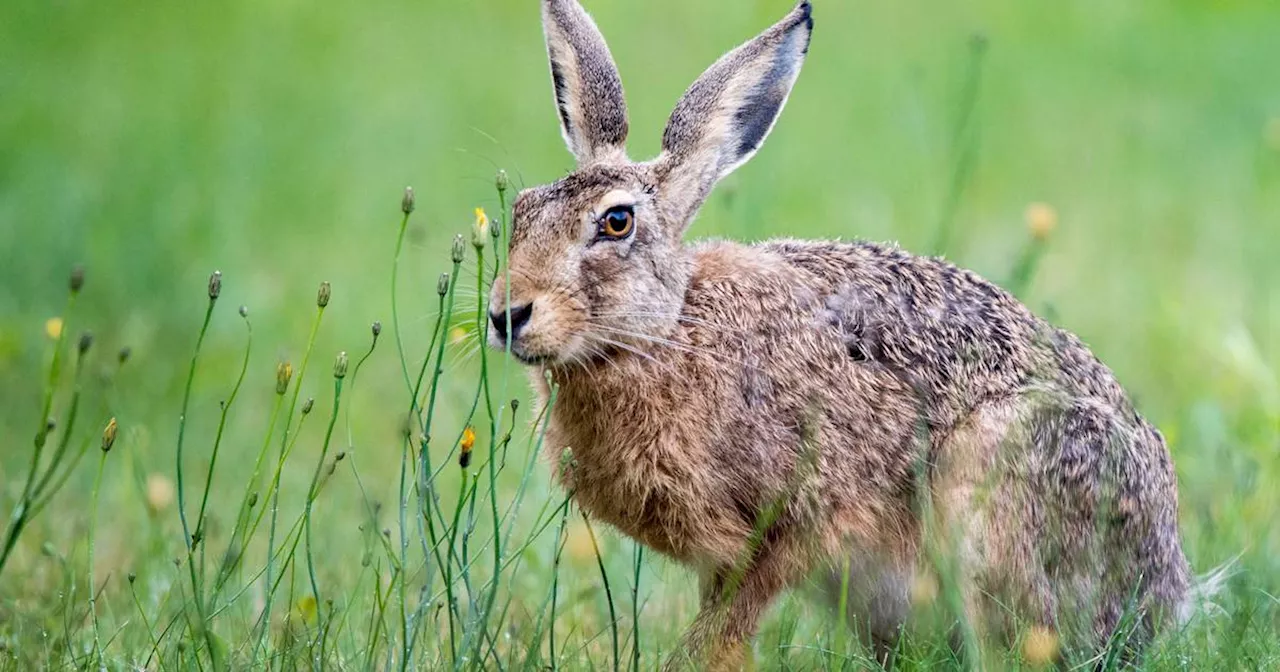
(529, 359)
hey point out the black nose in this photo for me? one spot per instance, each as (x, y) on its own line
(519, 317)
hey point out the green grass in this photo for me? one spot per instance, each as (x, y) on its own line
(270, 140)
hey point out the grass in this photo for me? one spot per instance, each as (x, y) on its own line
(1116, 165)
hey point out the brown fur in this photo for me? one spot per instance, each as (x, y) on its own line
(697, 381)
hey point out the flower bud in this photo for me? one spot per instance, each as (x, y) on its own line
(125, 353)
(408, 203)
(377, 329)
(284, 372)
(253, 500)
(480, 230)
(307, 405)
(501, 181)
(86, 342)
(340, 366)
(132, 578)
(459, 248)
(442, 285)
(77, 279)
(322, 296)
(215, 285)
(244, 311)
(515, 405)
(109, 435)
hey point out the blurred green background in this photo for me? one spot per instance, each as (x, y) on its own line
(154, 142)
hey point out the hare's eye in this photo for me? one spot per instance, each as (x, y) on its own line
(617, 222)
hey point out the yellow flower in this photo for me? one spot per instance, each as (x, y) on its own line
(1042, 219)
(53, 327)
(468, 439)
(1040, 646)
(457, 335)
(159, 493)
(307, 608)
(924, 589)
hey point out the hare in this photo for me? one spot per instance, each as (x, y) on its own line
(764, 413)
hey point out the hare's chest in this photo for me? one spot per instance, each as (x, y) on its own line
(643, 480)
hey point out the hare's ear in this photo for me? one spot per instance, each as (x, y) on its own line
(593, 113)
(725, 116)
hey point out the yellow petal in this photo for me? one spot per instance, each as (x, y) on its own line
(53, 327)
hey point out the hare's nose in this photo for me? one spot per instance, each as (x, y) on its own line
(519, 317)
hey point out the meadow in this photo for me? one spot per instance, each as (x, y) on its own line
(1116, 165)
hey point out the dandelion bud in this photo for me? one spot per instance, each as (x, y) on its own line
(284, 372)
(515, 405)
(77, 279)
(340, 366)
(244, 311)
(442, 285)
(342, 455)
(253, 500)
(408, 202)
(109, 435)
(50, 425)
(459, 247)
(466, 444)
(215, 285)
(306, 405)
(86, 342)
(322, 296)
(132, 578)
(501, 181)
(125, 353)
(377, 329)
(480, 230)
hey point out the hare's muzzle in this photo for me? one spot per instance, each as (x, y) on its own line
(518, 316)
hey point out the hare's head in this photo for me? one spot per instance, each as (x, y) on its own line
(597, 260)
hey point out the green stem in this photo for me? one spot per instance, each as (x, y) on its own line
(311, 496)
(93, 529)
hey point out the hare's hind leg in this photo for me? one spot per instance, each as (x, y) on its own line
(985, 522)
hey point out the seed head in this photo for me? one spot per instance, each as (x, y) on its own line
(284, 372)
(501, 181)
(377, 329)
(215, 285)
(244, 311)
(109, 435)
(306, 405)
(86, 342)
(125, 353)
(160, 493)
(480, 230)
(459, 248)
(408, 203)
(442, 285)
(1042, 219)
(340, 366)
(77, 279)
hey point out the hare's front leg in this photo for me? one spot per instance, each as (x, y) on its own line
(732, 603)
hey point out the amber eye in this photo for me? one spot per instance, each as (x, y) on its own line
(617, 222)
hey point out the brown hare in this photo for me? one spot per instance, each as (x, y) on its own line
(764, 412)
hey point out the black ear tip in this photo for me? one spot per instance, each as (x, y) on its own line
(804, 14)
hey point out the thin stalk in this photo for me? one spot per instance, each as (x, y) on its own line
(20, 516)
(155, 643)
(635, 606)
(93, 530)
(555, 582)
(964, 142)
(608, 593)
(311, 497)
